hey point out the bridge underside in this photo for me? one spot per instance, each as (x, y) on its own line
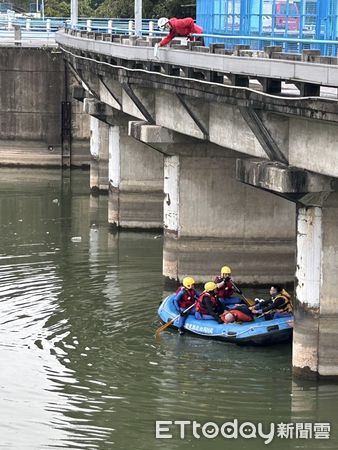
(250, 122)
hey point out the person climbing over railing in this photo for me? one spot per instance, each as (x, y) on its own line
(176, 27)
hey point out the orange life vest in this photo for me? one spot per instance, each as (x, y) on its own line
(227, 290)
(287, 307)
(200, 307)
(188, 297)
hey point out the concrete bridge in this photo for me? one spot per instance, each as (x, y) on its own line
(233, 152)
(207, 127)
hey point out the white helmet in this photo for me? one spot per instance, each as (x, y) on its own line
(162, 21)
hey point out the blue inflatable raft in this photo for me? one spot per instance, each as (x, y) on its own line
(258, 332)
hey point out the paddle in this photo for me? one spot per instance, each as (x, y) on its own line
(263, 314)
(248, 301)
(166, 325)
(267, 312)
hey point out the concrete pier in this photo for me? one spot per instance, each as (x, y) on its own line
(315, 336)
(131, 171)
(210, 220)
(135, 182)
(80, 127)
(316, 301)
(99, 150)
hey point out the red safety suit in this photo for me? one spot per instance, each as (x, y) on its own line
(239, 316)
(181, 27)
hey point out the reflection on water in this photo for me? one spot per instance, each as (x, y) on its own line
(80, 367)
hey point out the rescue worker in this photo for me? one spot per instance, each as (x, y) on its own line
(225, 286)
(240, 313)
(278, 305)
(185, 297)
(177, 27)
(208, 305)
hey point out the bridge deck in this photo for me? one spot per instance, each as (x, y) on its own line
(325, 75)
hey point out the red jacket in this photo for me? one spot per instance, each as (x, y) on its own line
(181, 27)
(239, 316)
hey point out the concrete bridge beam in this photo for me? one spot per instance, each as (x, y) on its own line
(138, 102)
(314, 145)
(289, 182)
(104, 112)
(170, 142)
(110, 92)
(246, 129)
(160, 138)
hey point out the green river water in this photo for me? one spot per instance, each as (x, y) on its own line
(80, 366)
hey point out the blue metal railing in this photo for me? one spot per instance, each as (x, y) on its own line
(288, 44)
(55, 23)
(289, 19)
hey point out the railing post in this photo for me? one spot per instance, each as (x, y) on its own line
(28, 24)
(130, 27)
(138, 17)
(151, 28)
(9, 24)
(74, 12)
(48, 25)
(89, 25)
(110, 26)
(17, 35)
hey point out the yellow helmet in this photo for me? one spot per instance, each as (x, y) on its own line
(188, 282)
(225, 270)
(210, 286)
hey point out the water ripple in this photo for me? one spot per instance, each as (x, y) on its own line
(81, 368)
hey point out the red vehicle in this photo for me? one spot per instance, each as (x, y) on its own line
(287, 15)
